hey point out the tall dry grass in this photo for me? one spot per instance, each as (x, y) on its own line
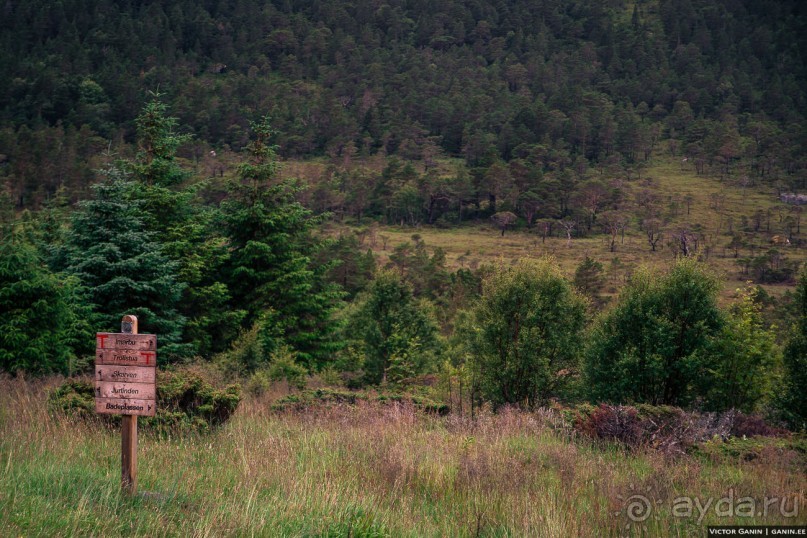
(368, 470)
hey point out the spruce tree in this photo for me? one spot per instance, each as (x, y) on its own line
(270, 268)
(165, 209)
(158, 142)
(184, 228)
(42, 323)
(122, 266)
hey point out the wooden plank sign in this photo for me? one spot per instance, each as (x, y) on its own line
(143, 408)
(139, 342)
(130, 374)
(126, 357)
(125, 372)
(125, 384)
(125, 391)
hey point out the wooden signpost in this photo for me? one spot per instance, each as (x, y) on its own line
(125, 384)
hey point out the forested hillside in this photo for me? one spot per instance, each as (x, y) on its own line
(265, 185)
(414, 267)
(522, 90)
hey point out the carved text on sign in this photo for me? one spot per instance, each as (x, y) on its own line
(111, 389)
(139, 342)
(126, 357)
(114, 406)
(132, 374)
(125, 374)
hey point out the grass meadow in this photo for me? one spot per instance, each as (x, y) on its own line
(373, 470)
(717, 208)
(366, 470)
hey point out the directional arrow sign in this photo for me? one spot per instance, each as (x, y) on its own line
(138, 391)
(139, 342)
(126, 357)
(127, 374)
(114, 406)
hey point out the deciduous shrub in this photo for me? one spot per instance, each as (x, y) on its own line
(310, 399)
(523, 336)
(651, 347)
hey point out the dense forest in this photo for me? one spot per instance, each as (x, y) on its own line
(530, 94)
(141, 152)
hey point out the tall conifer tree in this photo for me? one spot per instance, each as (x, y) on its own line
(41, 319)
(121, 264)
(185, 229)
(270, 269)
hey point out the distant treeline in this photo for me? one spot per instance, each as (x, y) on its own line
(244, 278)
(556, 87)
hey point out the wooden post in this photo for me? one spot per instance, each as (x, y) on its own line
(128, 437)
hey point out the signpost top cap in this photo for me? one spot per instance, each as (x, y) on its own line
(128, 324)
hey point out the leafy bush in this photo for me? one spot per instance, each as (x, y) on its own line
(246, 354)
(330, 376)
(789, 452)
(651, 346)
(258, 383)
(185, 400)
(285, 367)
(73, 397)
(524, 334)
(390, 332)
(327, 397)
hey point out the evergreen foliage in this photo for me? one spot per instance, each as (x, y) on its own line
(41, 326)
(185, 229)
(743, 360)
(589, 280)
(284, 366)
(499, 84)
(270, 269)
(522, 100)
(794, 396)
(121, 266)
(158, 142)
(349, 267)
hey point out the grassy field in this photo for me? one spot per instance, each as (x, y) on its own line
(476, 243)
(369, 470)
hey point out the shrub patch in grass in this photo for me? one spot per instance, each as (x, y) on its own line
(185, 401)
(328, 397)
